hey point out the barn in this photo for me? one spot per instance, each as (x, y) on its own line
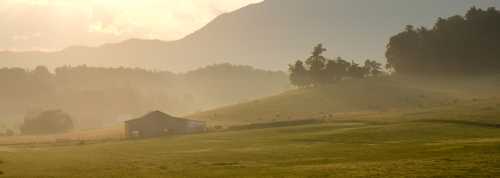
(157, 123)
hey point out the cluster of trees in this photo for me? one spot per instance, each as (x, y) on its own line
(47, 122)
(99, 96)
(458, 45)
(318, 70)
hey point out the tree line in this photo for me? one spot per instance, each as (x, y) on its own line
(318, 70)
(97, 96)
(458, 45)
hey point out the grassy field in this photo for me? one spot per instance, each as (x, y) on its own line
(460, 140)
(114, 133)
(380, 95)
(374, 128)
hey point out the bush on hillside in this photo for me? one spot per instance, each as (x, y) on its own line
(47, 122)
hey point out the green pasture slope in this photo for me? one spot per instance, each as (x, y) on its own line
(459, 140)
(382, 94)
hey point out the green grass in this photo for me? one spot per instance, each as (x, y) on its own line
(383, 130)
(382, 94)
(372, 145)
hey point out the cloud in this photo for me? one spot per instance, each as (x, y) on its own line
(55, 24)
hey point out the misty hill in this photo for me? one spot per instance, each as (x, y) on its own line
(267, 35)
(97, 96)
(367, 95)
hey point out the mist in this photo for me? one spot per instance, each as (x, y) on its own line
(273, 88)
(104, 97)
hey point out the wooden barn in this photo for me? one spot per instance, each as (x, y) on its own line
(158, 123)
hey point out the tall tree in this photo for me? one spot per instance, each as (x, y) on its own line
(317, 64)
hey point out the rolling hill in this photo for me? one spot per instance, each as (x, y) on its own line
(267, 35)
(365, 97)
(369, 95)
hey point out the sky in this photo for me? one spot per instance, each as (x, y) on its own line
(49, 25)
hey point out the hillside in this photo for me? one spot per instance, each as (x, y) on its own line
(267, 35)
(369, 95)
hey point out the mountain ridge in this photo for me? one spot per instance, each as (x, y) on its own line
(267, 35)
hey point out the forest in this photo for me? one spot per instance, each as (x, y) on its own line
(458, 45)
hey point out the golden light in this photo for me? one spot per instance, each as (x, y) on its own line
(93, 22)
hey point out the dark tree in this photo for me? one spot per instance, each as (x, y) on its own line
(319, 70)
(337, 69)
(299, 75)
(317, 64)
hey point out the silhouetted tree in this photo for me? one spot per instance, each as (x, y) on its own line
(317, 64)
(299, 75)
(318, 70)
(337, 69)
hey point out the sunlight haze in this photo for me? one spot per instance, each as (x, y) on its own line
(55, 24)
(249, 88)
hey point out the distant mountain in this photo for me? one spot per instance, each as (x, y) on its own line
(267, 35)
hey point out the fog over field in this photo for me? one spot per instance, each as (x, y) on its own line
(103, 97)
(249, 88)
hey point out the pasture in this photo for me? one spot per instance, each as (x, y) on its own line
(462, 140)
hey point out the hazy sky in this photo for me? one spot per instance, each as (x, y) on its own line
(56, 24)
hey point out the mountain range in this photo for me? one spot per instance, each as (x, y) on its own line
(268, 35)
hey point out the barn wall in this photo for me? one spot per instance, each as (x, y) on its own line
(157, 127)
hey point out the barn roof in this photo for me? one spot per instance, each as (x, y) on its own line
(160, 115)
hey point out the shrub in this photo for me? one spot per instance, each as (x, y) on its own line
(47, 122)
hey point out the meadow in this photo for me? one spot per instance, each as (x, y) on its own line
(431, 109)
(459, 140)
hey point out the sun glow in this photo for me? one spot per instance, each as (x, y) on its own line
(91, 22)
